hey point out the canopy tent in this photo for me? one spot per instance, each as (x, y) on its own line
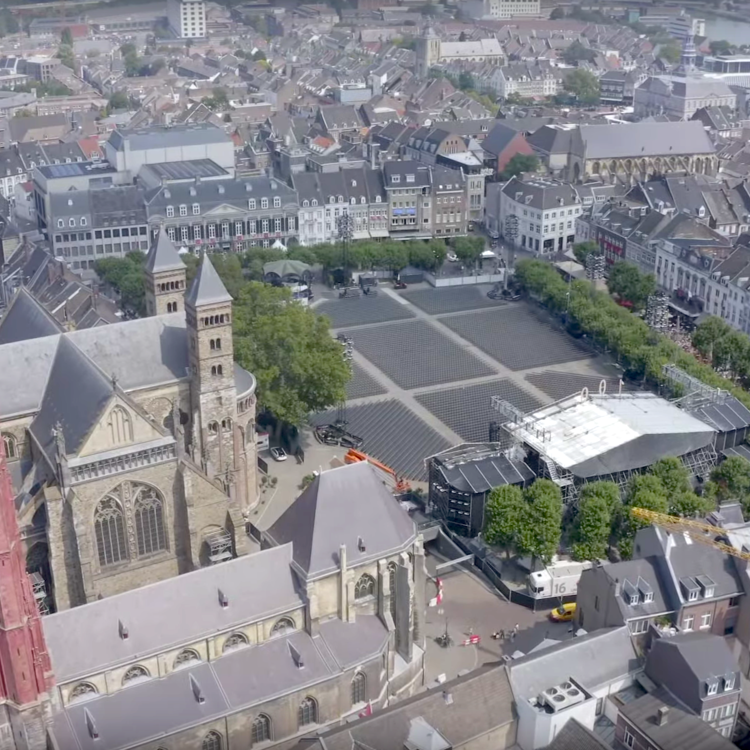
(285, 268)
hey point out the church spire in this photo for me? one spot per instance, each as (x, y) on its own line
(166, 277)
(25, 667)
(207, 287)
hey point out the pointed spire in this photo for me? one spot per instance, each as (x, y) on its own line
(207, 288)
(162, 256)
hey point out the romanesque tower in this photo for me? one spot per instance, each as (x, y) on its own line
(428, 51)
(165, 277)
(26, 680)
(208, 308)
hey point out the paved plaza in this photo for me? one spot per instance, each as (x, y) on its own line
(357, 311)
(452, 300)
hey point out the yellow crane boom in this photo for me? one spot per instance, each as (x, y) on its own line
(699, 531)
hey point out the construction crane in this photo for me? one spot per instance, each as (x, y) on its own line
(399, 484)
(697, 530)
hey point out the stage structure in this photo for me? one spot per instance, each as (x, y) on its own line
(606, 437)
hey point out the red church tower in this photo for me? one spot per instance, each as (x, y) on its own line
(26, 679)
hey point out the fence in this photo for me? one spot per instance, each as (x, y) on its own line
(478, 278)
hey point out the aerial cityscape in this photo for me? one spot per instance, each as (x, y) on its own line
(375, 375)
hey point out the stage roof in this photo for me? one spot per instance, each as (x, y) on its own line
(591, 435)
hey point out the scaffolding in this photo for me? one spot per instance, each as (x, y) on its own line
(657, 311)
(519, 418)
(39, 589)
(696, 391)
(219, 546)
(595, 266)
(699, 463)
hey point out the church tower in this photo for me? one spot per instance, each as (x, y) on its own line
(165, 277)
(208, 308)
(26, 681)
(428, 51)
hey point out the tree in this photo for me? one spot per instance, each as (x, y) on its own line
(732, 353)
(66, 55)
(720, 47)
(23, 113)
(584, 85)
(557, 14)
(258, 55)
(126, 276)
(518, 164)
(504, 517)
(628, 283)
(578, 52)
(544, 520)
(66, 37)
(671, 53)
(118, 100)
(592, 527)
(672, 474)
(462, 36)
(468, 249)
(732, 480)
(466, 81)
(299, 366)
(708, 333)
(582, 250)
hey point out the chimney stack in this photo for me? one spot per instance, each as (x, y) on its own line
(662, 716)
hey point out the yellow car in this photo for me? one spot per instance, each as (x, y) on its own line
(565, 613)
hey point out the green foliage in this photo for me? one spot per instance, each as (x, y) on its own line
(628, 283)
(218, 100)
(66, 55)
(516, 98)
(671, 53)
(592, 527)
(557, 14)
(518, 164)
(23, 113)
(66, 37)
(731, 480)
(584, 85)
(541, 535)
(578, 52)
(504, 517)
(582, 250)
(118, 100)
(51, 88)
(672, 474)
(468, 249)
(721, 47)
(466, 81)
(259, 54)
(127, 277)
(726, 348)
(299, 366)
(8, 23)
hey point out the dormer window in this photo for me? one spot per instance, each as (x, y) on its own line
(314, 202)
(690, 588)
(410, 178)
(251, 204)
(170, 212)
(277, 202)
(396, 178)
(712, 687)
(377, 199)
(708, 587)
(264, 202)
(305, 204)
(196, 209)
(341, 199)
(728, 682)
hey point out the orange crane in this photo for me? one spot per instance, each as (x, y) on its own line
(399, 484)
(698, 531)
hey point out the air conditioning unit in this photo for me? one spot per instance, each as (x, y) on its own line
(562, 696)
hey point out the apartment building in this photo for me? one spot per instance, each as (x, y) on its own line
(486, 10)
(187, 18)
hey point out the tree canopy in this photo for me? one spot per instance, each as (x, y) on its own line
(628, 283)
(126, 276)
(299, 366)
(518, 164)
(504, 517)
(584, 85)
(599, 503)
(66, 37)
(578, 52)
(670, 52)
(582, 250)
(731, 480)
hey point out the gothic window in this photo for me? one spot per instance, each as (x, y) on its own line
(308, 712)
(226, 424)
(135, 674)
(213, 428)
(148, 510)
(120, 426)
(11, 447)
(235, 641)
(217, 370)
(282, 627)
(392, 566)
(261, 731)
(364, 587)
(185, 657)
(212, 741)
(215, 344)
(359, 688)
(109, 526)
(82, 691)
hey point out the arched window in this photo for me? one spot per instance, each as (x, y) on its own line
(135, 674)
(392, 586)
(212, 741)
(261, 731)
(148, 511)
(282, 627)
(10, 445)
(217, 370)
(109, 527)
(120, 426)
(235, 641)
(359, 688)
(308, 712)
(82, 692)
(364, 587)
(213, 428)
(226, 424)
(186, 657)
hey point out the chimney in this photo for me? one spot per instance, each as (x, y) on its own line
(124, 634)
(91, 725)
(662, 716)
(223, 599)
(197, 692)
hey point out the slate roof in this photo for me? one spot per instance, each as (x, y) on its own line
(543, 194)
(164, 615)
(75, 396)
(644, 139)
(575, 736)
(26, 319)
(162, 256)
(340, 507)
(498, 139)
(682, 731)
(207, 288)
(646, 569)
(592, 660)
(191, 134)
(724, 416)
(482, 474)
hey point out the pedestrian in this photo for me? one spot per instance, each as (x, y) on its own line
(515, 628)
(513, 636)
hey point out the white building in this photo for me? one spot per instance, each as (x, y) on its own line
(493, 9)
(685, 27)
(187, 18)
(546, 212)
(527, 80)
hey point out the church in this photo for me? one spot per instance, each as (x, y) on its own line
(135, 615)
(131, 446)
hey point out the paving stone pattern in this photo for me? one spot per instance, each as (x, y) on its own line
(515, 337)
(560, 385)
(393, 434)
(362, 384)
(451, 300)
(415, 354)
(468, 410)
(358, 311)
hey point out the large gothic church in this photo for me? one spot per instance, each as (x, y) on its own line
(131, 446)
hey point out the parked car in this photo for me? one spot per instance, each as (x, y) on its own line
(564, 613)
(451, 256)
(278, 454)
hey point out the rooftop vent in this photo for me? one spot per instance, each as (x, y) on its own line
(223, 599)
(299, 662)
(123, 630)
(562, 696)
(448, 698)
(196, 688)
(662, 715)
(361, 544)
(91, 724)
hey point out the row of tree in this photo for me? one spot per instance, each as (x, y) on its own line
(640, 350)
(726, 348)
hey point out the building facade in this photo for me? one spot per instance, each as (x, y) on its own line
(486, 10)
(187, 18)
